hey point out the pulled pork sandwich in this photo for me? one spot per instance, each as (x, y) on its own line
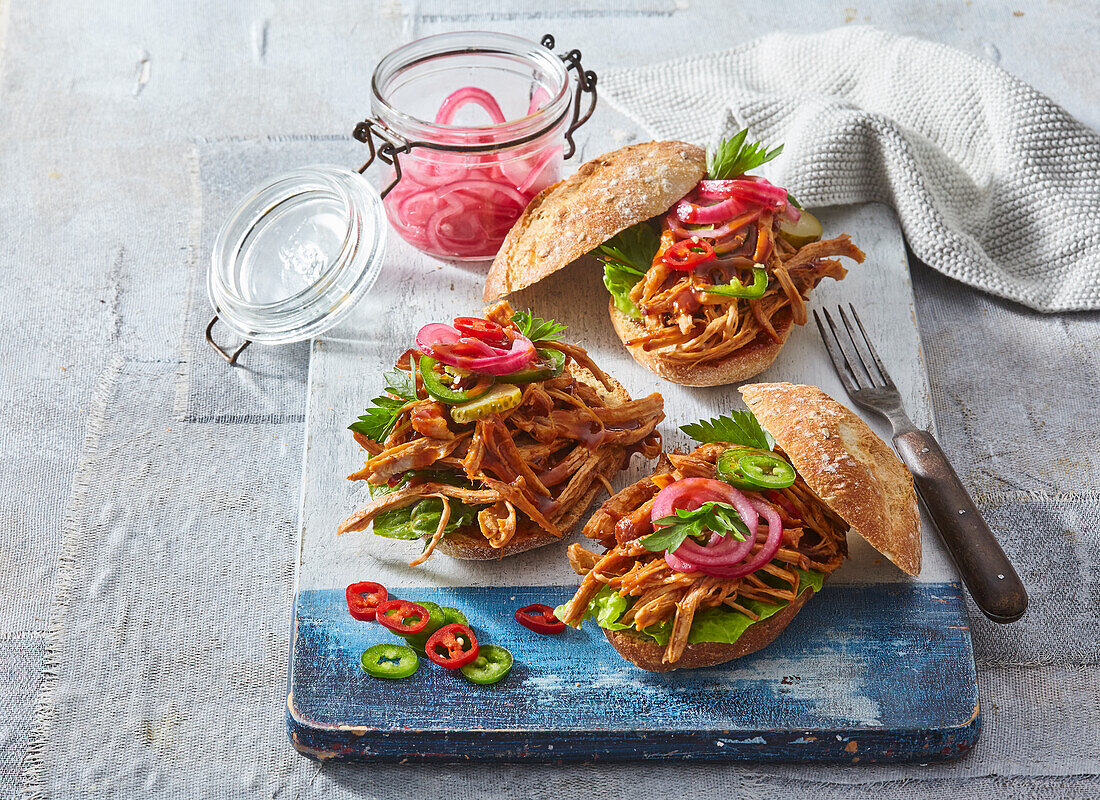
(494, 437)
(712, 556)
(708, 267)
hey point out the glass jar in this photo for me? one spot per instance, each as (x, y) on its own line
(295, 255)
(474, 125)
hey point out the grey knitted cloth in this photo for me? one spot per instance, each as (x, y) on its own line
(995, 184)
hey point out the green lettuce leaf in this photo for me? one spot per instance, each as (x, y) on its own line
(421, 519)
(722, 624)
(626, 257)
(619, 280)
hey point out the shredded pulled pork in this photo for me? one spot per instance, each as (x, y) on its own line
(687, 324)
(531, 465)
(812, 540)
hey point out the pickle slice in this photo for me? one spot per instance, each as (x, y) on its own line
(801, 233)
(499, 398)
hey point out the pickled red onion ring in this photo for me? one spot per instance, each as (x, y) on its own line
(538, 98)
(735, 197)
(536, 171)
(727, 229)
(468, 94)
(748, 186)
(437, 340)
(462, 205)
(765, 554)
(723, 211)
(690, 493)
(722, 556)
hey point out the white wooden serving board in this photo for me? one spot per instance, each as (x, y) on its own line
(413, 289)
(879, 667)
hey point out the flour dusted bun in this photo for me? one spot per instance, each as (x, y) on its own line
(471, 544)
(740, 365)
(847, 465)
(606, 195)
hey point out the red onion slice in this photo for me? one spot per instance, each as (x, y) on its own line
(464, 96)
(691, 213)
(763, 555)
(691, 493)
(722, 556)
(458, 205)
(437, 340)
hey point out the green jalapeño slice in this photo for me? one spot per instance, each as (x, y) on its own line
(751, 469)
(393, 661)
(491, 665)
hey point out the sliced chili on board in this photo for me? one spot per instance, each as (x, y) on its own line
(539, 618)
(436, 620)
(452, 646)
(364, 598)
(391, 661)
(403, 617)
(493, 662)
(453, 615)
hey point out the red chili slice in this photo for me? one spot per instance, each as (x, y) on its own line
(452, 646)
(403, 617)
(687, 254)
(540, 619)
(484, 329)
(364, 598)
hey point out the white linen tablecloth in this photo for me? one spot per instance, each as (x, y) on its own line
(150, 493)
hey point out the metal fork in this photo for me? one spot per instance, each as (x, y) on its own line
(986, 570)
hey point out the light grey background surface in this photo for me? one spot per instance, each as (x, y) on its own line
(149, 496)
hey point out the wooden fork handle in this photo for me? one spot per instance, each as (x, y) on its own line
(988, 574)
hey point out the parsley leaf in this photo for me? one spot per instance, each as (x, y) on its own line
(733, 157)
(400, 383)
(378, 420)
(740, 427)
(670, 532)
(626, 257)
(536, 329)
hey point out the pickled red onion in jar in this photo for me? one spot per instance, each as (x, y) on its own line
(462, 205)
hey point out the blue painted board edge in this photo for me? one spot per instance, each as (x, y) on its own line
(864, 746)
(330, 740)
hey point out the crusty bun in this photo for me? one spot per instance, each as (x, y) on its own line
(605, 196)
(850, 468)
(740, 365)
(647, 654)
(471, 545)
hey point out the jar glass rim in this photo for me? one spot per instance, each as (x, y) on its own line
(322, 302)
(298, 182)
(458, 42)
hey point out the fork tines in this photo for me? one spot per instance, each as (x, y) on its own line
(850, 352)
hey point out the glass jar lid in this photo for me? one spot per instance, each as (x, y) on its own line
(297, 254)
